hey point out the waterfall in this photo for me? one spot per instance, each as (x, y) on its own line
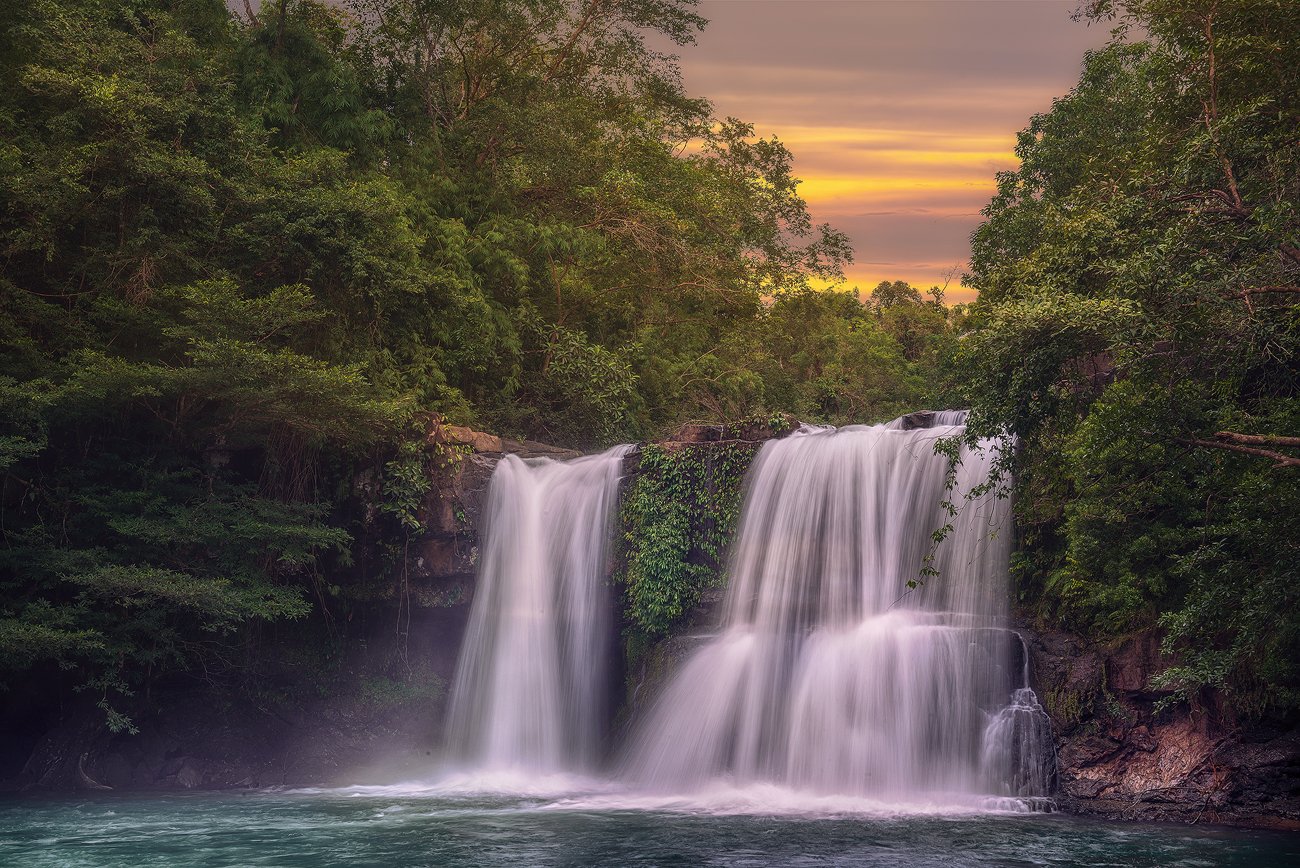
(828, 674)
(1019, 756)
(530, 692)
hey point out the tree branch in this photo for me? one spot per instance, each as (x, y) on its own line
(1258, 439)
(1260, 290)
(1278, 458)
(563, 54)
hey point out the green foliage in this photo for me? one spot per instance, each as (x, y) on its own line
(826, 357)
(41, 633)
(172, 388)
(245, 254)
(677, 520)
(916, 324)
(1138, 278)
(582, 393)
(407, 479)
(624, 232)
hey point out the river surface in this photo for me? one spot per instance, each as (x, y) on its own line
(410, 826)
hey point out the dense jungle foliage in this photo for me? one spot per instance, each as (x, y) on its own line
(676, 520)
(248, 253)
(1137, 328)
(250, 256)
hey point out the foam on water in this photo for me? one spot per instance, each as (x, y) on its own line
(502, 793)
(771, 800)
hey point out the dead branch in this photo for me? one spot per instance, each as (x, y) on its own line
(1278, 458)
(1257, 439)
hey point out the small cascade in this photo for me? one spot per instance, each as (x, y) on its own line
(530, 692)
(1019, 756)
(829, 675)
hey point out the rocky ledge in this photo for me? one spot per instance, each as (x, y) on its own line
(1119, 758)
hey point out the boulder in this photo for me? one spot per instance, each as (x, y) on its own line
(476, 440)
(919, 419)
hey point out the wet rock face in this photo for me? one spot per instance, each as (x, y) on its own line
(446, 554)
(1117, 758)
(919, 419)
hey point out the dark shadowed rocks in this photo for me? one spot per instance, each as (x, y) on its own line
(1119, 758)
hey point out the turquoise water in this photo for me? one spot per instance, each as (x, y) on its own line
(380, 826)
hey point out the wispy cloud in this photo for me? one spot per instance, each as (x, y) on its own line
(899, 112)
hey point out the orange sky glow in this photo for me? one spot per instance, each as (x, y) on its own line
(899, 112)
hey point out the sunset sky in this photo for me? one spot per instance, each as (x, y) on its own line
(899, 112)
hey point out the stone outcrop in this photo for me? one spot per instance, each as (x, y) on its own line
(1120, 759)
(919, 419)
(751, 431)
(442, 566)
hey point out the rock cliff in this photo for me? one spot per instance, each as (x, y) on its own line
(1120, 758)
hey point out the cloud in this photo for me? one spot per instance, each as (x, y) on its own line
(899, 113)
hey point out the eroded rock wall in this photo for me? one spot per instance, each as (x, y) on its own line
(1119, 758)
(442, 563)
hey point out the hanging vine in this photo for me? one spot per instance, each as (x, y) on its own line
(677, 520)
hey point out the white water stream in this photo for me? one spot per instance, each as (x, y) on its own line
(828, 674)
(828, 677)
(530, 693)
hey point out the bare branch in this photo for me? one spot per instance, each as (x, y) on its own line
(1258, 439)
(1278, 458)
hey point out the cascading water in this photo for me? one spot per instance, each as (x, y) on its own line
(1018, 755)
(829, 675)
(530, 688)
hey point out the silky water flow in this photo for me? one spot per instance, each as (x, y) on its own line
(530, 692)
(829, 675)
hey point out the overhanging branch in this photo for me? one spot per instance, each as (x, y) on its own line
(1278, 458)
(1257, 439)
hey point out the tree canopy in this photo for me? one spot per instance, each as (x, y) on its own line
(1137, 329)
(247, 255)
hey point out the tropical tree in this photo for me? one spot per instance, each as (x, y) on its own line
(1137, 329)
